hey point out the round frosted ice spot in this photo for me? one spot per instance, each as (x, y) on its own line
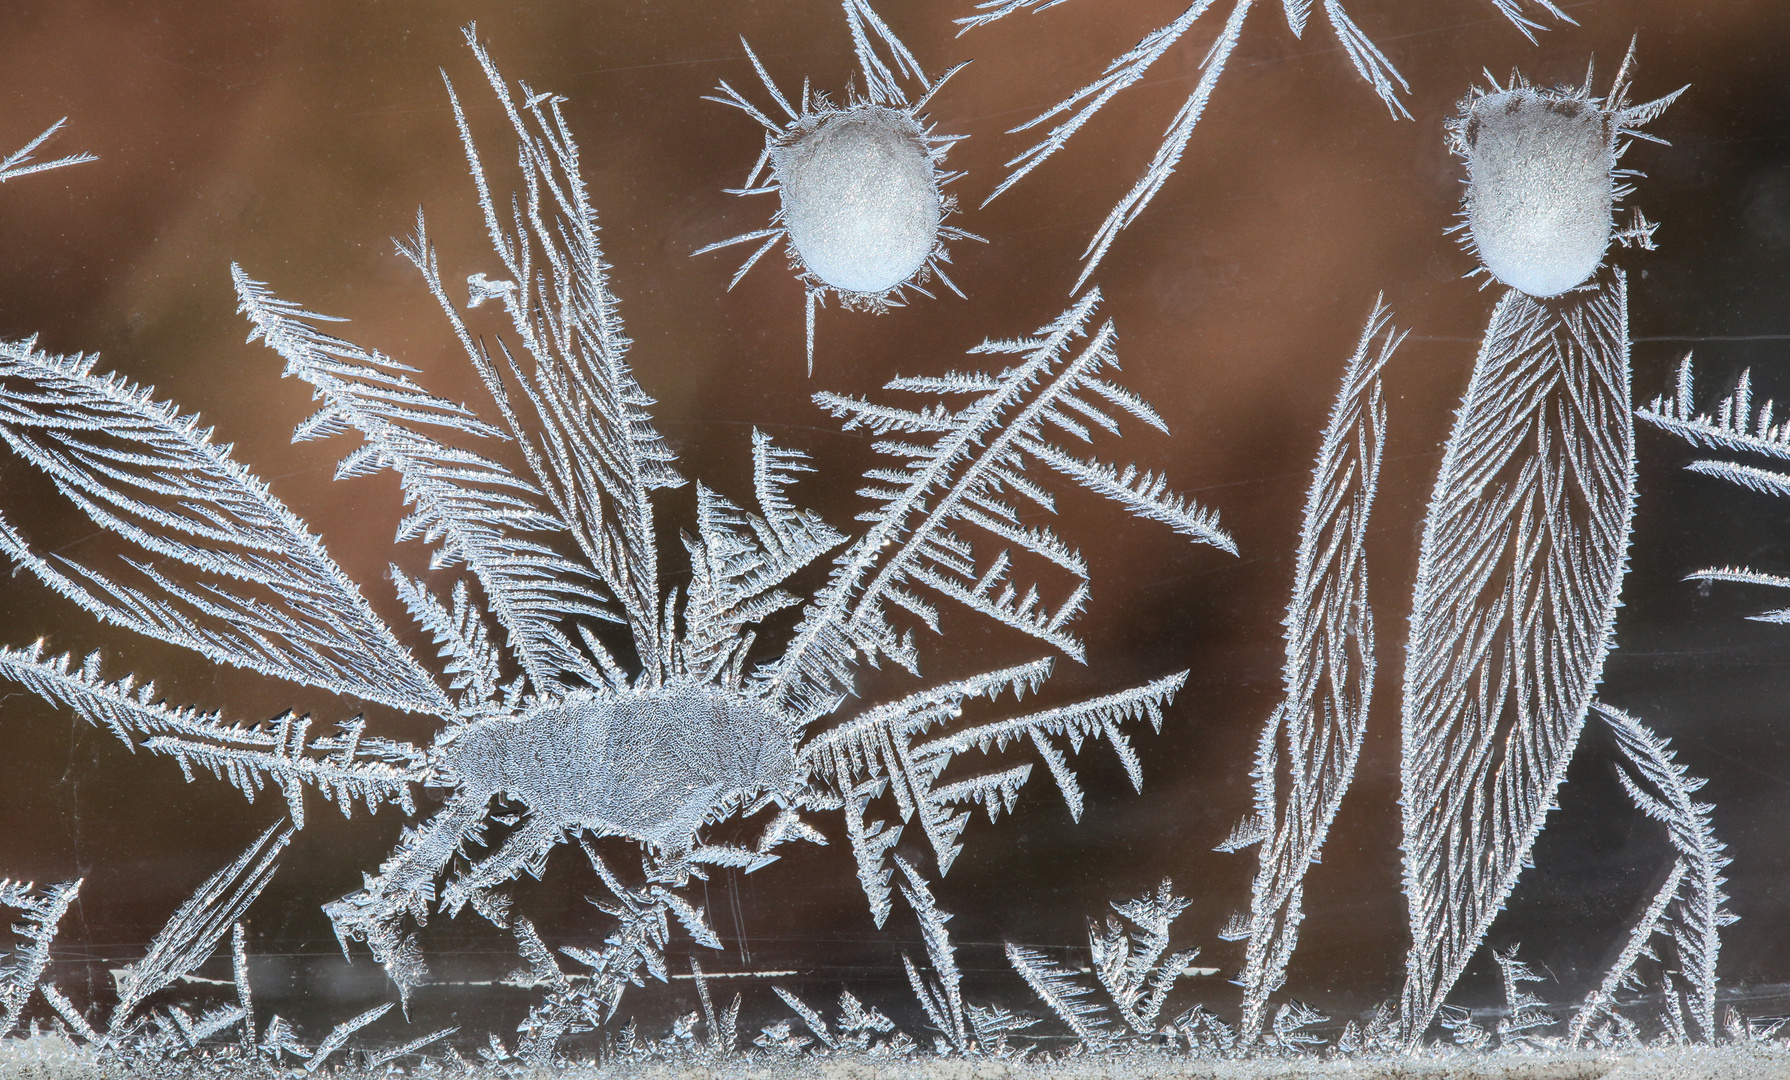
(860, 197)
(1538, 188)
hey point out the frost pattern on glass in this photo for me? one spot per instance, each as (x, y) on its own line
(1524, 546)
(146, 1040)
(1737, 423)
(860, 205)
(659, 729)
(1542, 178)
(19, 163)
(1307, 752)
(1687, 910)
(1078, 108)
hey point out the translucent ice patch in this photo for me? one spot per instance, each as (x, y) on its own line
(1539, 190)
(860, 198)
(652, 766)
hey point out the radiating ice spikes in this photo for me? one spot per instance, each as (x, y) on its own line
(1306, 756)
(578, 687)
(19, 163)
(1542, 178)
(1077, 109)
(860, 208)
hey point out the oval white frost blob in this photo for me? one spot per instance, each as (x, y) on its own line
(860, 197)
(862, 211)
(1542, 181)
(1539, 192)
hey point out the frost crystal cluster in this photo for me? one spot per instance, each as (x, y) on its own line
(582, 696)
(1124, 71)
(1542, 180)
(576, 684)
(860, 206)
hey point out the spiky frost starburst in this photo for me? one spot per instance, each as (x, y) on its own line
(1078, 108)
(861, 208)
(577, 685)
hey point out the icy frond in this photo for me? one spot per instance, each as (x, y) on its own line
(957, 489)
(414, 1046)
(593, 447)
(871, 841)
(1174, 143)
(192, 933)
(1130, 964)
(268, 598)
(1288, 1031)
(1523, 1010)
(1059, 990)
(1601, 1002)
(943, 1000)
(1524, 546)
(1306, 756)
(1097, 717)
(1074, 112)
(634, 949)
(472, 509)
(881, 83)
(339, 1035)
(40, 915)
(1737, 422)
(344, 767)
(740, 560)
(19, 163)
(809, 1017)
(1662, 789)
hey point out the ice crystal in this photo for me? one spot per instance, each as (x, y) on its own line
(1524, 548)
(1129, 965)
(1741, 424)
(1542, 178)
(19, 163)
(859, 186)
(1078, 108)
(1306, 756)
(576, 684)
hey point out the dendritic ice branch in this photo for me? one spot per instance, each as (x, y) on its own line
(19, 163)
(1131, 963)
(40, 915)
(266, 596)
(1524, 546)
(1073, 112)
(1306, 756)
(568, 677)
(1663, 789)
(1740, 423)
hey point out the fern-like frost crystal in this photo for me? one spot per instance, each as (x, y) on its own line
(567, 677)
(1308, 749)
(1073, 112)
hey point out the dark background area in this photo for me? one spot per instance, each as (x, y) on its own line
(296, 138)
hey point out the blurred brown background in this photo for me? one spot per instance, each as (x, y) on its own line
(296, 138)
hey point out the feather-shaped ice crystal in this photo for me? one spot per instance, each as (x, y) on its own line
(860, 197)
(1539, 192)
